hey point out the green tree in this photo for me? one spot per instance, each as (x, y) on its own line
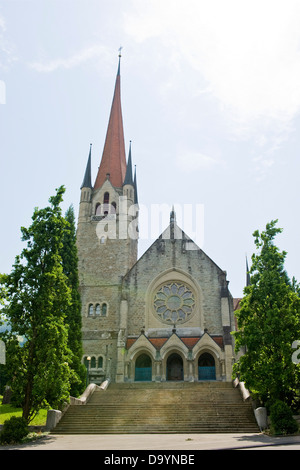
(38, 298)
(73, 312)
(2, 366)
(268, 324)
(3, 296)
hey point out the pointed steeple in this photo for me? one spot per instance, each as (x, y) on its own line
(172, 223)
(136, 200)
(113, 162)
(87, 180)
(172, 215)
(128, 177)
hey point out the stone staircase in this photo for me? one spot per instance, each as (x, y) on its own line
(169, 407)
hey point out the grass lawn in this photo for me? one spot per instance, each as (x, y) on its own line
(7, 411)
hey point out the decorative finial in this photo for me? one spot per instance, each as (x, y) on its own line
(172, 215)
(120, 48)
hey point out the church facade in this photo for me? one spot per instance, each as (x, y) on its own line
(167, 316)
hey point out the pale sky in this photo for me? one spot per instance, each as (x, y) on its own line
(210, 98)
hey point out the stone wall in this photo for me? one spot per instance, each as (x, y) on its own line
(168, 260)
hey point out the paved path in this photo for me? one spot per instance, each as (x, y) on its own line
(158, 442)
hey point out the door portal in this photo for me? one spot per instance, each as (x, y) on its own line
(174, 367)
(143, 368)
(206, 367)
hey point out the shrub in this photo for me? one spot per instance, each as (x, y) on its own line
(14, 430)
(282, 420)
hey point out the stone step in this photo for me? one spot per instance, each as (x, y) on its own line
(161, 408)
(159, 430)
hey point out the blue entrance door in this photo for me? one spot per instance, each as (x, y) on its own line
(206, 367)
(143, 369)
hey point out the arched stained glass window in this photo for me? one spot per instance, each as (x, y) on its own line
(174, 303)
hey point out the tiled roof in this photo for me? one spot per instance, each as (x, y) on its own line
(130, 342)
(158, 342)
(190, 342)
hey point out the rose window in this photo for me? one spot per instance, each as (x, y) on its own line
(174, 303)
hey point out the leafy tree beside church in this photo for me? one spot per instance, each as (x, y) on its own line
(39, 298)
(268, 325)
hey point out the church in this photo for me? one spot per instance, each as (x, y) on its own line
(167, 316)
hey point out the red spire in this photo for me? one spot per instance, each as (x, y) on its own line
(113, 162)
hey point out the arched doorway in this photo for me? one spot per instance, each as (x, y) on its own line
(206, 367)
(143, 369)
(174, 367)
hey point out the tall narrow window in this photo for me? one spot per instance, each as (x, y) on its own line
(93, 362)
(100, 362)
(91, 309)
(104, 310)
(106, 203)
(97, 309)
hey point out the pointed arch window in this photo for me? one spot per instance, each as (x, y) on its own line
(91, 310)
(104, 310)
(100, 362)
(93, 362)
(106, 203)
(97, 311)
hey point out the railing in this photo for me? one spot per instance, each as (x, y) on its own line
(54, 416)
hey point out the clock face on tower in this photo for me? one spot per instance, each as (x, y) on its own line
(174, 303)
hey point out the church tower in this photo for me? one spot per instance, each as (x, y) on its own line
(107, 241)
